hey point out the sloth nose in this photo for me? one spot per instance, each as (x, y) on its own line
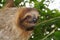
(34, 20)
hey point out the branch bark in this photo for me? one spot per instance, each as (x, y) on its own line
(9, 3)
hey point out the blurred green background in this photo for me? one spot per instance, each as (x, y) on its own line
(48, 26)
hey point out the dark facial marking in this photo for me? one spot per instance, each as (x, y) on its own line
(29, 28)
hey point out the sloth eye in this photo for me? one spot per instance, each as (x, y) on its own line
(28, 16)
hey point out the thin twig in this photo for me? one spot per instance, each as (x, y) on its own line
(49, 20)
(49, 33)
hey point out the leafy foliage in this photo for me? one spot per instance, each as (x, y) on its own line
(49, 20)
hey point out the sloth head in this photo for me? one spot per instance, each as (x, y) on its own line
(27, 18)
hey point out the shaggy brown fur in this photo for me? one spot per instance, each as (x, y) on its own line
(16, 23)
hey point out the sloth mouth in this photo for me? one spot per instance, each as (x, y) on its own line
(31, 23)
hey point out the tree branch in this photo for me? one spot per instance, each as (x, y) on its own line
(49, 33)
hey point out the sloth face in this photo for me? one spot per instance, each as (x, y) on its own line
(30, 19)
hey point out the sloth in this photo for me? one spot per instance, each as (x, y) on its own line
(27, 18)
(17, 23)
